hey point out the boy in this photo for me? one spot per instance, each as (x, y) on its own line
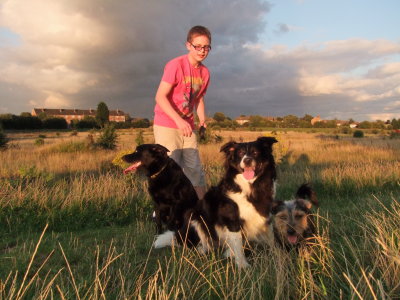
(181, 91)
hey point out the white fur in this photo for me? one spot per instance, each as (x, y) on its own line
(233, 243)
(205, 242)
(255, 225)
(165, 239)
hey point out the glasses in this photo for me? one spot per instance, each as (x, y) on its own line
(206, 48)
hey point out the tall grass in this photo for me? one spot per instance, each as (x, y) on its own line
(97, 236)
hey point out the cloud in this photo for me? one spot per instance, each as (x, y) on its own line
(74, 54)
(282, 28)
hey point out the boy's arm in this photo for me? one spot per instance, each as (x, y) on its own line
(201, 112)
(162, 100)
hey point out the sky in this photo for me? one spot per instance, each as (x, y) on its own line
(336, 59)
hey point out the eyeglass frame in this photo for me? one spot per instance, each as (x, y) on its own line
(199, 48)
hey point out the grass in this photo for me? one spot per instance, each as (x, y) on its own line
(73, 227)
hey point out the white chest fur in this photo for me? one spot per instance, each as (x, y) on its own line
(255, 225)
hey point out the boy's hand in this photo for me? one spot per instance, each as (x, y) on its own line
(184, 127)
(202, 132)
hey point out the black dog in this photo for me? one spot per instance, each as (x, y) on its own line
(292, 222)
(241, 202)
(173, 194)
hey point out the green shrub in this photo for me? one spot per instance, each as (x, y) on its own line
(358, 134)
(395, 134)
(108, 137)
(39, 141)
(139, 138)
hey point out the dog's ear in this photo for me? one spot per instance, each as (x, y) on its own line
(157, 148)
(276, 205)
(228, 148)
(266, 141)
(306, 192)
(305, 204)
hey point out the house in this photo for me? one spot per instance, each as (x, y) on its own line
(242, 120)
(315, 120)
(78, 114)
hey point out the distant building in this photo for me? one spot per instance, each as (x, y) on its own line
(315, 120)
(242, 120)
(79, 114)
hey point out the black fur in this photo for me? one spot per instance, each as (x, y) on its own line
(260, 153)
(218, 209)
(173, 194)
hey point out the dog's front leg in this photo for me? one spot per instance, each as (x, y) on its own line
(234, 243)
(157, 219)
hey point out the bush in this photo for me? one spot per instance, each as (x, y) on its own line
(39, 141)
(395, 134)
(3, 139)
(139, 138)
(87, 123)
(9, 121)
(108, 137)
(55, 123)
(358, 134)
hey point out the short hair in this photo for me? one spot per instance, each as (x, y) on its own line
(198, 30)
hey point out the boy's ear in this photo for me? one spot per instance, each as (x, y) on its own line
(188, 45)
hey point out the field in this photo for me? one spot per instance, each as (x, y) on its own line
(72, 226)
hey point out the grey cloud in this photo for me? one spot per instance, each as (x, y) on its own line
(282, 28)
(115, 51)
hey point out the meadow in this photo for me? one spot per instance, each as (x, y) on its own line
(72, 226)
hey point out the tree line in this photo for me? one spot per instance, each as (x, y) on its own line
(25, 121)
(220, 120)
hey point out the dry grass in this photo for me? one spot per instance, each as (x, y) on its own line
(359, 261)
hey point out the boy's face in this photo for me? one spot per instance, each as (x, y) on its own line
(197, 56)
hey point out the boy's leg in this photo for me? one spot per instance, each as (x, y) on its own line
(185, 152)
(192, 165)
(171, 139)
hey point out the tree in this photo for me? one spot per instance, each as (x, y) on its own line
(256, 121)
(307, 118)
(219, 117)
(3, 139)
(102, 114)
(290, 121)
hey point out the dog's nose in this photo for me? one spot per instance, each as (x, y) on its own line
(247, 161)
(291, 231)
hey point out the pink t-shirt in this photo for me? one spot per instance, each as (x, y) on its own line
(189, 85)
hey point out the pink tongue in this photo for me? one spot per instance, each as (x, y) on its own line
(132, 168)
(292, 239)
(248, 173)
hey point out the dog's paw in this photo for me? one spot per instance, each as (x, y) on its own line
(164, 240)
(242, 263)
(228, 253)
(202, 250)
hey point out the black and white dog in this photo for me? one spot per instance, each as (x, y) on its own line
(238, 208)
(173, 194)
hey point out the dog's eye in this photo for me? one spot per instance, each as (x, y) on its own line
(298, 217)
(241, 153)
(283, 218)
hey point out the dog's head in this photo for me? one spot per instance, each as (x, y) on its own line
(249, 159)
(292, 220)
(146, 156)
